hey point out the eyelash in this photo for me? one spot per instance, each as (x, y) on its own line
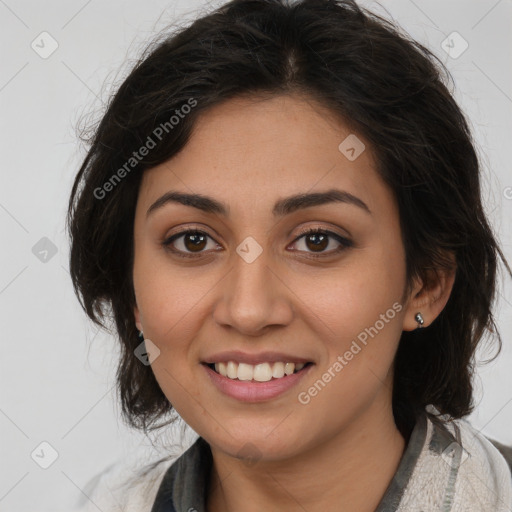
(344, 242)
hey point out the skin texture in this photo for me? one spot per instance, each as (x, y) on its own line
(340, 450)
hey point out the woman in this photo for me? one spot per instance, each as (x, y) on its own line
(281, 210)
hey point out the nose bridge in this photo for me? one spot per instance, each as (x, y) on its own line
(251, 272)
(252, 296)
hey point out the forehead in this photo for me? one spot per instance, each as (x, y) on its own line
(250, 151)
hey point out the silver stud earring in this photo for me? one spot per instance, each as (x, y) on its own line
(419, 318)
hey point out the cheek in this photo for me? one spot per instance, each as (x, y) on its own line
(360, 316)
(167, 293)
(353, 297)
(169, 300)
(360, 329)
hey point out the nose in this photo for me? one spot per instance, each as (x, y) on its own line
(253, 297)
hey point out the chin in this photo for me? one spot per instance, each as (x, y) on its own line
(258, 446)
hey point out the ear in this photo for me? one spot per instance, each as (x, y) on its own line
(429, 297)
(137, 315)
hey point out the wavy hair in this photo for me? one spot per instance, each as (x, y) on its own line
(386, 87)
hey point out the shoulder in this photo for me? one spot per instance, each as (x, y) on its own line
(498, 454)
(464, 470)
(475, 444)
(506, 451)
(124, 486)
(484, 468)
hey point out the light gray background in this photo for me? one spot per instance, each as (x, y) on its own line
(57, 372)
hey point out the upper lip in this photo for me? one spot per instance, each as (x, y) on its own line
(261, 357)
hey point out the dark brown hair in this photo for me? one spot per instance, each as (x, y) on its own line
(390, 89)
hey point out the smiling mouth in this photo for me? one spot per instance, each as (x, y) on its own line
(263, 372)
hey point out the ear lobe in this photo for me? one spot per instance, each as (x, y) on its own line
(137, 315)
(429, 298)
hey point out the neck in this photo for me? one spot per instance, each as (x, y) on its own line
(349, 471)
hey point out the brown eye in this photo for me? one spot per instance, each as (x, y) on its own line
(319, 241)
(316, 240)
(194, 241)
(187, 243)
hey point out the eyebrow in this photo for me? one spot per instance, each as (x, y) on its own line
(281, 208)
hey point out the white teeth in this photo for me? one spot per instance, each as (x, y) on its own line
(262, 372)
(278, 370)
(245, 371)
(289, 368)
(232, 370)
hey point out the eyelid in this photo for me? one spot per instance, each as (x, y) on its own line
(323, 229)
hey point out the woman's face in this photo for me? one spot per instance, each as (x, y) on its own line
(255, 289)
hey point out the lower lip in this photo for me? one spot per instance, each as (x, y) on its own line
(252, 391)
